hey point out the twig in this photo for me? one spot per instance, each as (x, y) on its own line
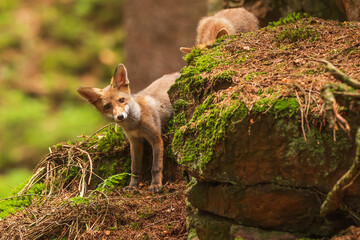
(342, 51)
(340, 75)
(31, 181)
(87, 139)
(24, 195)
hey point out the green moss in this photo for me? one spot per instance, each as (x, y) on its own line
(178, 119)
(235, 95)
(189, 58)
(180, 104)
(286, 107)
(225, 75)
(292, 35)
(291, 18)
(262, 105)
(192, 83)
(112, 139)
(14, 204)
(196, 141)
(318, 150)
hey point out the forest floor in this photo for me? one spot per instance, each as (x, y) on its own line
(126, 215)
(119, 215)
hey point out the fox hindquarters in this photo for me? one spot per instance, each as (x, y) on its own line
(225, 22)
(141, 116)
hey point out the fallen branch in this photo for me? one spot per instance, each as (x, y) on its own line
(340, 75)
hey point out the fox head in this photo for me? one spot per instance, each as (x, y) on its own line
(113, 101)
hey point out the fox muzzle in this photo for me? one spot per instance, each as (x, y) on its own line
(123, 115)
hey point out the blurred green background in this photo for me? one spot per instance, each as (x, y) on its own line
(47, 49)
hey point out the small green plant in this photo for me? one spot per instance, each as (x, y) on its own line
(251, 75)
(111, 181)
(79, 200)
(145, 213)
(134, 225)
(248, 77)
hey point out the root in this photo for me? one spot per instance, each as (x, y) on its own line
(334, 197)
(340, 75)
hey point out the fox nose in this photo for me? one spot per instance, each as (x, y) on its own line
(120, 117)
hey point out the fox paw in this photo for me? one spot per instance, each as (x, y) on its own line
(155, 188)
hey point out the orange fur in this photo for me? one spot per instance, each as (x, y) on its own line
(141, 116)
(225, 22)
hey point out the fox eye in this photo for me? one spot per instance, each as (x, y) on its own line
(121, 100)
(107, 106)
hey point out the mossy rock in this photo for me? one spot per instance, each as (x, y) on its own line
(248, 119)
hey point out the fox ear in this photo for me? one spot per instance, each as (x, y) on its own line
(120, 80)
(90, 94)
(222, 32)
(185, 49)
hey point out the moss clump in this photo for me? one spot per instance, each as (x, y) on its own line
(109, 150)
(191, 57)
(110, 139)
(318, 149)
(297, 34)
(180, 104)
(225, 75)
(192, 81)
(286, 107)
(14, 204)
(291, 18)
(196, 141)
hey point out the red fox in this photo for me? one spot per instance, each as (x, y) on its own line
(141, 116)
(225, 22)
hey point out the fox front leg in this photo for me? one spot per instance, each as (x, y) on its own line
(136, 151)
(157, 165)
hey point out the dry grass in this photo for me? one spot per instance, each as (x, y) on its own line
(71, 207)
(101, 216)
